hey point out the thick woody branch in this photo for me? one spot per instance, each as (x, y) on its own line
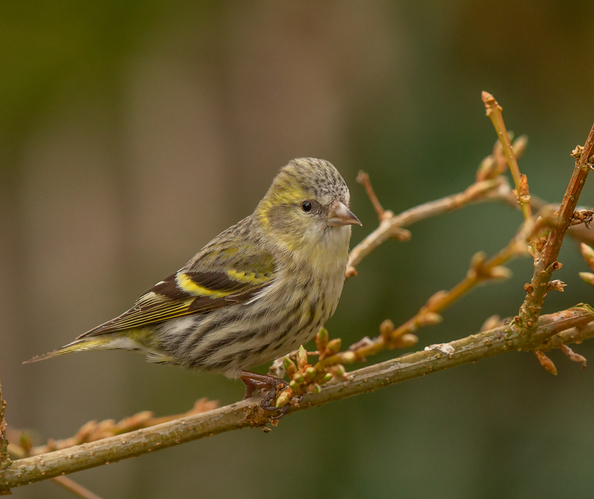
(94, 430)
(247, 413)
(63, 481)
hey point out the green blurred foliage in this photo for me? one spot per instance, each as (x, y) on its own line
(133, 132)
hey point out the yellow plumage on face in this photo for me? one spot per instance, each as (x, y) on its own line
(296, 208)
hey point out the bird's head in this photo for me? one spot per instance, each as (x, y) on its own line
(307, 205)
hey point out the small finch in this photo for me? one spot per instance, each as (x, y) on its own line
(254, 293)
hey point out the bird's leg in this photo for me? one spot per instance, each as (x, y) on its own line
(262, 382)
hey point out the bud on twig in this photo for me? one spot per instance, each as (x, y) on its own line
(546, 362)
(338, 371)
(436, 297)
(401, 235)
(477, 260)
(582, 217)
(519, 146)
(577, 152)
(406, 341)
(25, 443)
(487, 169)
(284, 398)
(321, 341)
(310, 374)
(290, 367)
(587, 277)
(588, 254)
(428, 319)
(500, 272)
(491, 323)
(301, 357)
(557, 285)
(333, 347)
(314, 388)
(386, 328)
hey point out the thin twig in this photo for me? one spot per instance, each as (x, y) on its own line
(588, 254)
(363, 179)
(247, 413)
(546, 260)
(495, 164)
(494, 111)
(480, 191)
(75, 488)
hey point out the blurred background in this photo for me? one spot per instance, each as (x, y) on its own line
(132, 132)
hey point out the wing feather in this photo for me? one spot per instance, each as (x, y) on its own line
(198, 288)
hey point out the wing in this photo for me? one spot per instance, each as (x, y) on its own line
(219, 275)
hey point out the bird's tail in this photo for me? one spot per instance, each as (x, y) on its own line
(89, 343)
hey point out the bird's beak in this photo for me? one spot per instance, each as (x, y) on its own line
(340, 215)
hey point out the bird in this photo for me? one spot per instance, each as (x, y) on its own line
(254, 293)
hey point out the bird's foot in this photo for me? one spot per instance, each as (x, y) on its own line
(263, 382)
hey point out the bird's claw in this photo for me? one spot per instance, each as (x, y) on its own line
(261, 382)
(268, 403)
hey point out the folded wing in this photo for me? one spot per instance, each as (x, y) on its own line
(196, 290)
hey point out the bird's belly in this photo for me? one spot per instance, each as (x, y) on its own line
(245, 335)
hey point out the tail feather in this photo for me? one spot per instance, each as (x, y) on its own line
(89, 343)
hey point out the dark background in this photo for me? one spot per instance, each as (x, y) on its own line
(132, 132)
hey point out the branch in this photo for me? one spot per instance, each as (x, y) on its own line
(546, 260)
(24, 450)
(363, 179)
(391, 224)
(489, 187)
(93, 430)
(4, 458)
(494, 112)
(247, 413)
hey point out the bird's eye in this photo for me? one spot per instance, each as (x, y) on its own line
(306, 206)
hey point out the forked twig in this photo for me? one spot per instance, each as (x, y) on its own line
(494, 112)
(545, 262)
